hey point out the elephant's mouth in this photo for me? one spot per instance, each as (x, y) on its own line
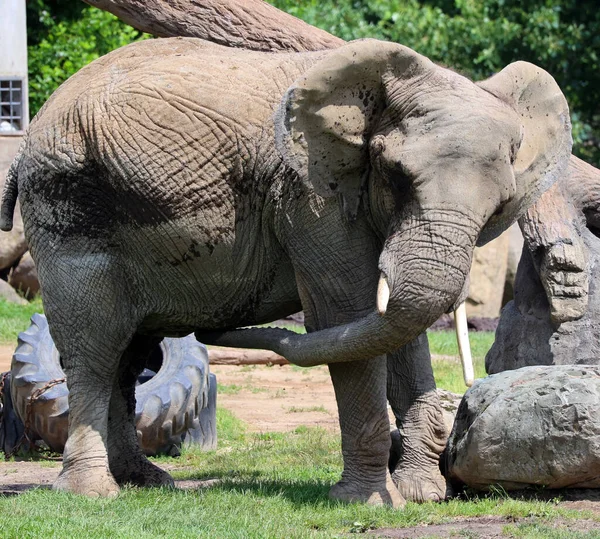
(460, 318)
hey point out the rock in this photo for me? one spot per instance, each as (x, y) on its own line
(515, 246)
(535, 426)
(12, 244)
(526, 334)
(555, 316)
(449, 402)
(24, 277)
(488, 273)
(8, 293)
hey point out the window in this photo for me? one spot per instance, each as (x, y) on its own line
(11, 106)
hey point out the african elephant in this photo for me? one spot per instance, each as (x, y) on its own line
(176, 185)
(411, 390)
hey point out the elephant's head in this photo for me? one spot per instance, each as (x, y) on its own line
(446, 163)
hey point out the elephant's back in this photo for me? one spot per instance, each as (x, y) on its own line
(182, 109)
(185, 73)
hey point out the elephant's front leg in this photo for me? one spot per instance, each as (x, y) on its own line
(360, 393)
(422, 437)
(337, 273)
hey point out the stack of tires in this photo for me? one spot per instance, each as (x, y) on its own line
(175, 405)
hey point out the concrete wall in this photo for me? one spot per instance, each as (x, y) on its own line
(13, 46)
(8, 150)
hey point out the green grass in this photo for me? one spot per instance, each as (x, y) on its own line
(269, 485)
(443, 343)
(15, 318)
(230, 389)
(448, 372)
(234, 389)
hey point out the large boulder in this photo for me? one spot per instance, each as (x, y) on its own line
(535, 426)
(23, 277)
(515, 247)
(526, 334)
(555, 316)
(8, 293)
(487, 277)
(12, 244)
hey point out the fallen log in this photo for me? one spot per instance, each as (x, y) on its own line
(241, 356)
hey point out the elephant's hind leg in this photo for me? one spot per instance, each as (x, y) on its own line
(92, 324)
(127, 461)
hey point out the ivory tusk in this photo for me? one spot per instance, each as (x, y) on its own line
(462, 336)
(383, 295)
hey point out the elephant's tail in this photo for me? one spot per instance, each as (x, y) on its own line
(11, 191)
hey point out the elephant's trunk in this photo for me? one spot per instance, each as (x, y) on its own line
(424, 263)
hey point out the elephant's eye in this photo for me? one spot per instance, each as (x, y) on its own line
(400, 179)
(377, 146)
(514, 148)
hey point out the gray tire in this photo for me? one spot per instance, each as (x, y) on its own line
(167, 406)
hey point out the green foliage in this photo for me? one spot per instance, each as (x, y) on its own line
(63, 37)
(480, 37)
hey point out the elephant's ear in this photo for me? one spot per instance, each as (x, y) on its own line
(326, 117)
(545, 149)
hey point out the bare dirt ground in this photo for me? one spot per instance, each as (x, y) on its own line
(485, 528)
(6, 352)
(281, 398)
(278, 398)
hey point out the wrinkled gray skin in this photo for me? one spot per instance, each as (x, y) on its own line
(176, 186)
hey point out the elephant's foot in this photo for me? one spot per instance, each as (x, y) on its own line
(421, 486)
(415, 454)
(141, 473)
(90, 481)
(385, 493)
